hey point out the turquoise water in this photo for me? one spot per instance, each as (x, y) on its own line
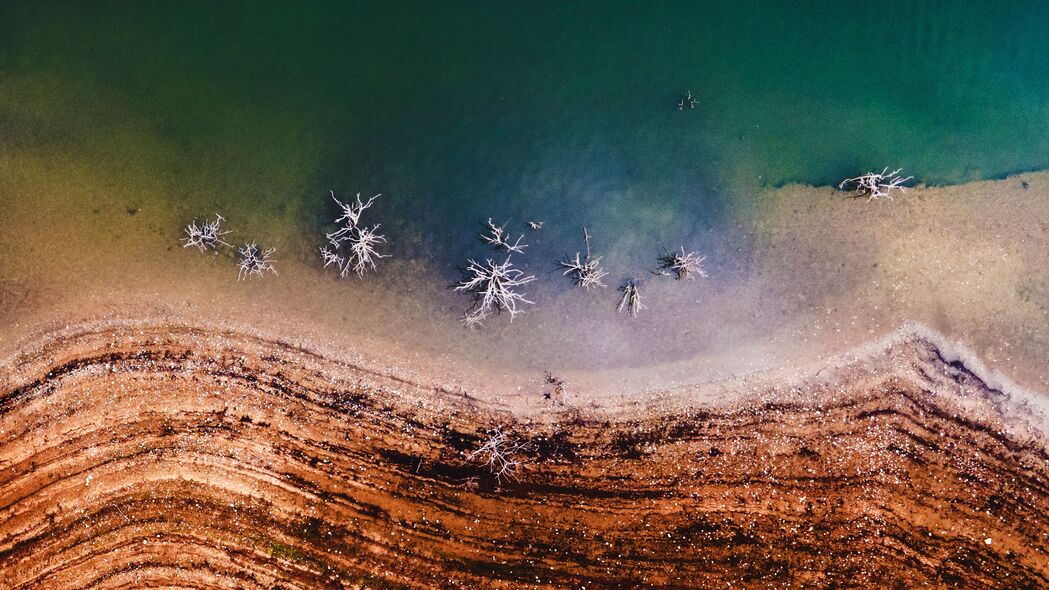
(560, 111)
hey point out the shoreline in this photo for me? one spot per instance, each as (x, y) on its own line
(1009, 400)
(809, 276)
(249, 462)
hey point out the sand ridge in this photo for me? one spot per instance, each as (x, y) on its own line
(200, 458)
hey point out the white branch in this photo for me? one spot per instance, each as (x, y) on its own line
(361, 252)
(254, 262)
(686, 101)
(206, 235)
(585, 271)
(498, 454)
(351, 213)
(874, 185)
(681, 265)
(362, 249)
(494, 289)
(631, 299)
(497, 237)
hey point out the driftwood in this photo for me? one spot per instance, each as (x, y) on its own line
(206, 235)
(681, 264)
(631, 299)
(686, 102)
(493, 287)
(585, 272)
(874, 185)
(470, 484)
(351, 212)
(498, 453)
(254, 262)
(353, 248)
(497, 237)
(559, 387)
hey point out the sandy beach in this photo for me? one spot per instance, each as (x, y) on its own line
(806, 276)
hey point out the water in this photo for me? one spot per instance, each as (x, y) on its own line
(555, 111)
(558, 110)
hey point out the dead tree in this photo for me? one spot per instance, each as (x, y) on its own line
(254, 262)
(585, 272)
(631, 299)
(494, 289)
(499, 454)
(686, 102)
(351, 212)
(362, 249)
(681, 265)
(874, 185)
(559, 387)
(497, 237)
(353, 248)
(331, 256)
(206, 235)
(470, 484)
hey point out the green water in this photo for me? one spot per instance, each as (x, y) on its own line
(560, 111)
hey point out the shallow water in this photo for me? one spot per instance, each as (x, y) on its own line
(557, 110)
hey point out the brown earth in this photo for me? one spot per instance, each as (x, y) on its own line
(186, 458)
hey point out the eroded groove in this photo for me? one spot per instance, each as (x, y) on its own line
(179, 457)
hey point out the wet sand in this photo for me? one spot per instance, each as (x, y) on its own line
(188, 457)
(800, 276)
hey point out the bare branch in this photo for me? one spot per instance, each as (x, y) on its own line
(498, 454)
(351, 213)
(362, 241)
(686, 101)
(875, 185)
(470, 484)
(631, 299)
(254, 262)
(362, 249)
(560, 386)
(585, 272)
(493, 288)
(331, 256)
(474, 319)
(497, 237)
(681, 265)
(207, 235)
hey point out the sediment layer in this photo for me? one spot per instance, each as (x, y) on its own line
(189, 458)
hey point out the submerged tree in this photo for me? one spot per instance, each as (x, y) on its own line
(493, 287)
(351, 212)
(255, 262)
(497, 237)
(631, 299)
(499, 455)
(359, 243)
(585, 272)
(681, 265)
(206, 235)
(362, 249)
(874, 185)
(686, 102)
